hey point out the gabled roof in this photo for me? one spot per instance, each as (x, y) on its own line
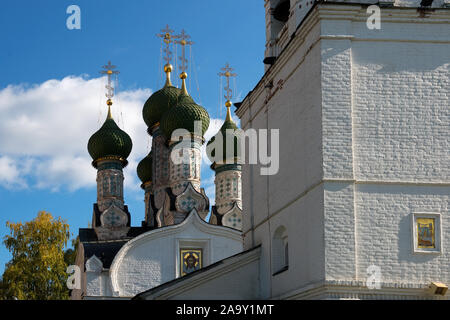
(104, 250)
(89, 235)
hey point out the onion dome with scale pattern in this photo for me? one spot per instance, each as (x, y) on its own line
(160, 101)
(230, 125)
(109, 142)
(184, 114)
(144, 169)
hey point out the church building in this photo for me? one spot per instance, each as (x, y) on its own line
(359, 208)
(181, 233)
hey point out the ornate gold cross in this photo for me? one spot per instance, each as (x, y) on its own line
(109, 71)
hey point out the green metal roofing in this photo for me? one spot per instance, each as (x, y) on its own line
(144, 168)
(183, 116)
(230, 125)
(110, 141)
(158, 103)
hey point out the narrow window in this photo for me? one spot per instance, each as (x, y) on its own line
(280, 251)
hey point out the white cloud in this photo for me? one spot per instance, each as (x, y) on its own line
(214, 127)
(45, 128)
(210, 188)
(50, 124)
(9, 174)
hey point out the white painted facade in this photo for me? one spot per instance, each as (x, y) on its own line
(152, 258)
(364, 122)
(367, 112)
(236, 277)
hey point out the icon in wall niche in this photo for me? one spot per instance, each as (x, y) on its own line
(426, 229)
(191, 260)
(426, 233)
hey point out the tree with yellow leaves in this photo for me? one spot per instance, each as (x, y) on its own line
(37, 270)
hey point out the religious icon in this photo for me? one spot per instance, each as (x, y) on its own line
(191, 260)
(425, 233)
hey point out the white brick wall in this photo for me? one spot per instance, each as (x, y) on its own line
(337, 109)
(152, 258)
(401, 111)
(386, 118)
(339, 231)
(384, 235)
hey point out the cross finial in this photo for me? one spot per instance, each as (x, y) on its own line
(227, 73)
(182, 39)
(109, 71)
(166, 35)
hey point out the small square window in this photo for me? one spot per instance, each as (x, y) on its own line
(426, 229)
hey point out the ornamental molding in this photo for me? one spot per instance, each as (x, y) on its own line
(233, 217)
(358, 290)
(123, 161)
(114, 217)
(113, 224)
(190, 199)
(94, 264)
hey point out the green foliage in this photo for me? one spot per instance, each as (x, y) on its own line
(71, 253)
(37, 270)
(2, 290)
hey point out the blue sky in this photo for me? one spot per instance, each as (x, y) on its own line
(52, 96)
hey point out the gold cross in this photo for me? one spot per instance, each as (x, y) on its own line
(227, 74)
(109, 72)
(167, 37)
(183, 41)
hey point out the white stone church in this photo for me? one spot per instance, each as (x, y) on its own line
(359, 208)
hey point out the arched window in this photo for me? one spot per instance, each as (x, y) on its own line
(280, 250)
(281, 10)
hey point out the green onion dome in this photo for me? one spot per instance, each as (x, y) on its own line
(144, 169)
(230, 125)
(160, 101)
(110, 142)
(184, 115)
